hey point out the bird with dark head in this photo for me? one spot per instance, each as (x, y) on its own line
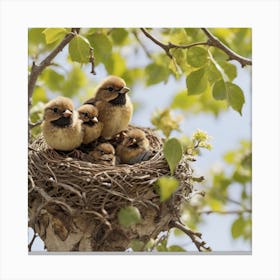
(92, 127)
(134, 148)
(114, 106)
(103, 154)
(61, 127)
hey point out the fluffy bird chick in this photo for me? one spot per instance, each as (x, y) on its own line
(91, 126)
(114, 106)
(134, 147)
(61, 127)
(104, 154)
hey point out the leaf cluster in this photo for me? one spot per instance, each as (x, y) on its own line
(207, 69)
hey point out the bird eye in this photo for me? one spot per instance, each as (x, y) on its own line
(86, 114)
(55, 109)
(110, 88)
(102, 152)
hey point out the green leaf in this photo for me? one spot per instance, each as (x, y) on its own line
(119, 35)
(102, 47)
(173, 153)
(128, 216)
(54, 34)
(195, 104)
(166, 187)
(177, 36)
(180, 101)
(79, 48)
(197, 56)
(39, 95)
(235, 97)
(219, 55)
(229, 69)
(162, 246)
(242, 175)
(36, 40)
(237, 227)
(218, 67)
(219, 90)
(136, 245)
(247, 232)
(221, 183)
(194, 34)
(173, 67)
(156, 73)
(213, 73)
(36, 36)
(215, 204)
(180, 57)
(132, 75)
(115, 65)
(197, 82)
(76, 79)
(230, 157)
(176, 248)
(247, 161)
(53, 80)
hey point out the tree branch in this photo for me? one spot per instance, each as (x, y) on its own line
(194, 236)
(141, 44)
(212, 42)
(35, 235)
(215, 42)
(169, 46)
(157, 42)
(36, 70)
(91, 60)
(32, 125)
(231, 200)
(238, 212)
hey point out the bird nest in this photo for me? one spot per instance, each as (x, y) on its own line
(74, 203)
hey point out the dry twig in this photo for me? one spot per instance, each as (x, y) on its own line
(35, 235)
(226, 212)
(91, 60)
(215, 42)
(167, 47)
(194, 236)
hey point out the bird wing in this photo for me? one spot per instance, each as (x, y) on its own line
(91, 101)
(141, 157)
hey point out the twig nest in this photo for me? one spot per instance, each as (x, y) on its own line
(74, 204)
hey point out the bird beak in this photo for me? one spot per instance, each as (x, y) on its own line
(95, 120)
(124, 90)
(67, 113)
(107, 157)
